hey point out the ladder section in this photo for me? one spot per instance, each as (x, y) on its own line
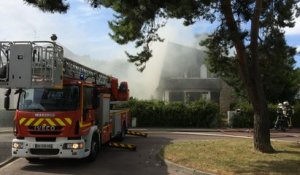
(78, 71)
(25, 64)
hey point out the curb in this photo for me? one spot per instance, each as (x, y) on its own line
(174, 129)
(5, 129)
(182, 169)
(2, 164)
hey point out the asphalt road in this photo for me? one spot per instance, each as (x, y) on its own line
(112, 161)
(5, 145)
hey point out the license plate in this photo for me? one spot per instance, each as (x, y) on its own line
(43, 146)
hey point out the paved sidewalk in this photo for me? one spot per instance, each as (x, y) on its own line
(241, 130)
(6, 129)
(6, 135)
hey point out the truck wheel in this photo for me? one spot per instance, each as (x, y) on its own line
(95, 147)
(121, 135)
(123, 131)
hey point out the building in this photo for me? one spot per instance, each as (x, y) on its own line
(185, 77)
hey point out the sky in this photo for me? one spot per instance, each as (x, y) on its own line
(84, 31)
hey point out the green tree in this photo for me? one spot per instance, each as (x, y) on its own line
(49, 5)
(276, 62)
(241, 24)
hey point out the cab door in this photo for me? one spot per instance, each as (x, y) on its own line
(88, 112)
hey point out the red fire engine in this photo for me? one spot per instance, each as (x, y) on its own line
(65, 109)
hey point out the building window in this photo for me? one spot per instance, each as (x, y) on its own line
(176, 96)
(183, 96)
(195, 96)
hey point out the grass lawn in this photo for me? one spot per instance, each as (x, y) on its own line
(234, 156)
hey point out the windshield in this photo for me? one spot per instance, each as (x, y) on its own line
(43, 99)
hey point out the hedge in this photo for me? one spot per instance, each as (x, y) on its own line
(200, 114)
(153, 113)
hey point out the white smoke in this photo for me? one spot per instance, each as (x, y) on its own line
(83, 31)
(143, 84)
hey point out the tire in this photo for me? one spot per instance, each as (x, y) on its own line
(123, 133)
(121, 136)
(95, 148)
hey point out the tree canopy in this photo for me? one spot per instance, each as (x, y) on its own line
(276, 62)
(49, 5)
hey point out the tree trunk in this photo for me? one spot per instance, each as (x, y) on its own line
(248, 65)
(261, 131)
(256, 91)
(261, 137)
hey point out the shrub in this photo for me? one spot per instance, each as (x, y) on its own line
(244, 117)
(296, 117)
(153, 113)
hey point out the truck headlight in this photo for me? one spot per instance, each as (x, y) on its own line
(73, 146)
(18, 145)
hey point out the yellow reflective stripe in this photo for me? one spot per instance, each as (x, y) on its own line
(22, 120)
(50, 122)
(29, 122)
(68, 120)
(60, 122)
(38, 122)
(85, 125)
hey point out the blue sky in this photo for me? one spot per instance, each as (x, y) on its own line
(84, 31)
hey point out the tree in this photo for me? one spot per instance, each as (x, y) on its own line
(243, 24)
(49, 5)
(276, 62)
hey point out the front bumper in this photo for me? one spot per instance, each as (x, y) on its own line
(29, 147)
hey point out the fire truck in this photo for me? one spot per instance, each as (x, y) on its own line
(64, 109)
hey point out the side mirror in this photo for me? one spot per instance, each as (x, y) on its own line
(6, 102)
(6, 99)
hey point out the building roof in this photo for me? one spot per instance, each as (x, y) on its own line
(179, 59)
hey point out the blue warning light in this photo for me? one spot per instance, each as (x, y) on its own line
(81, 76)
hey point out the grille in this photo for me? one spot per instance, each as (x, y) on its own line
(45, 132)
(57, 130)
(44, 151)
(45, 139)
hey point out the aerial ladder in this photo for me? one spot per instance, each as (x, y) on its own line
(46, 68)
